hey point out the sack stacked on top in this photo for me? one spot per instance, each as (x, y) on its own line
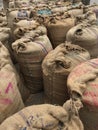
(30, 52)
(89, 17)
(86, 36)
(56, 67)
(93, 8)
(58, 26)
(75, 10)
(33, 31)
(59, 8)
(47, 117)
(13, 14)
(10, 99)
(21, 3)
(83, 84)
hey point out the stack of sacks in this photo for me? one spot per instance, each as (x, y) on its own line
(83, 84)
(56, 67)
(47, 117)
(10, 98)
(86, 36)
(30, 52)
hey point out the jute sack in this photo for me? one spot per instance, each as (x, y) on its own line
(29, 32)
(59, 9)
(30, 24)
(12, 14)
(47, 117)
(58, 27)
(56, 67)
(30, 53)
(83, 84)
(86, 36)
(10, 98)
(20, 84)
(21, 3)
(93, 8)
(75, 10)
(89, 17)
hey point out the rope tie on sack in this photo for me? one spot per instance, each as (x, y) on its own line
(20, 47)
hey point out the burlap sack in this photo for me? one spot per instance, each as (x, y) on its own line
(47, 117)
(30, 54)
(59, 9)
(20, 83)
(89, 17)
(21, 3)
(93, 8)
(86, 36)
(12, 14)
(83, 84)
(28, 32)
(56, 67)
(58, 27)
(75, 9)
(10, 98)
(30, 24)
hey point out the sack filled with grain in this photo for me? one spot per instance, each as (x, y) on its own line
(58, 26)
(30, 24)
(29, 32)
(7, 58)
(75, 9)
(20, 14)
(83, 84)
(10, 98)
(21, 3)
(56, 67)
(86, 36)
(89, 17)
(30, 53)
(47, 117)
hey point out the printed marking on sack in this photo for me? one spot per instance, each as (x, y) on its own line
(9, 87)
(5, 101)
